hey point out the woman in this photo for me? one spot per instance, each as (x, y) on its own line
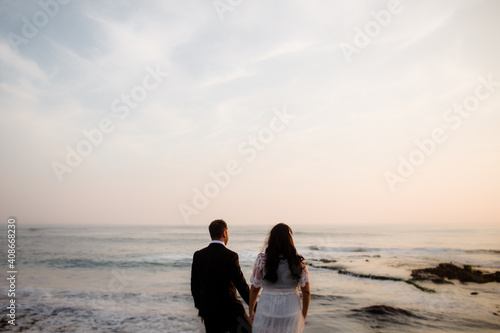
(279, 272)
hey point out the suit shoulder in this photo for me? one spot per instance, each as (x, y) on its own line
(200, 252)
(231, 252)
(226, 252)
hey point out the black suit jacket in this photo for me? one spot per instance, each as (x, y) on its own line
(215, 277)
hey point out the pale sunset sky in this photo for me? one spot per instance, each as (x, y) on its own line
(258, 112)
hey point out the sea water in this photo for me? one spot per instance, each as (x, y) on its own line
(137, 278)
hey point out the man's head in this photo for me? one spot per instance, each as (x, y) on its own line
(218, 231)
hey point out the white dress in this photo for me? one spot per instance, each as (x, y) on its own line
(279, 309)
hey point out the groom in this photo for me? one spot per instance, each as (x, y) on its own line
(215, 276)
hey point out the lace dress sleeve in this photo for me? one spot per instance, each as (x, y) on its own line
(304, 277)
(258, 271)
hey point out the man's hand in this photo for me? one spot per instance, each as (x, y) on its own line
(202, 320)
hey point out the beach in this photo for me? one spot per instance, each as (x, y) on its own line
(137, 278)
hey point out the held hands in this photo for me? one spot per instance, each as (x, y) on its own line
(252, 309)
(251, 315)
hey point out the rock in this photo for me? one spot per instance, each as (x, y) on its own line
(421, 275)
(327, 261)
(342, 270)
(451, 271)
(474, 293)
(369, 276)
(385, 311)
(414, 283)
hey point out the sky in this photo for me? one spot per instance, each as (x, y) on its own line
(258, 112)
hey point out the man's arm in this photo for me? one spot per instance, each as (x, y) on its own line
(195, 284)
(238, 279)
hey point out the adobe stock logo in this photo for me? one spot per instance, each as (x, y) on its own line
(31, 27)
(372, 29)
(426, 147)
(121, 107)
(223, 6)
(121, 279)
(249, 149)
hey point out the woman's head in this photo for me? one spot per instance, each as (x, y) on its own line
(280, 246)
(280, 240)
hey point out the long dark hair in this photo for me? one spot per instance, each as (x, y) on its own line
(280, 246)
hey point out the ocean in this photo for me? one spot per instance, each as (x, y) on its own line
(137, 278)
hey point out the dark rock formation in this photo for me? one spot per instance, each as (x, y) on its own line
(384, 314)
(327, 261)
(369, 276)
(414, 283)
(385, 310)
(451, 272)
(421, 275)
(342, 270)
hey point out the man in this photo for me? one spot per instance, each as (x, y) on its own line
(215, 276)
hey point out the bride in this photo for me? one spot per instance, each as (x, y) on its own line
(279, 271)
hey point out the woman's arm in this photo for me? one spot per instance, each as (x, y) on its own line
(306, 298)
(254, 292)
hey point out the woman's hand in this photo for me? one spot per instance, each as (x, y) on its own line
(254, 292)
(306, 298)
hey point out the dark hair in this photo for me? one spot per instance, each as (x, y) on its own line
(280, 245)
(217, 228)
